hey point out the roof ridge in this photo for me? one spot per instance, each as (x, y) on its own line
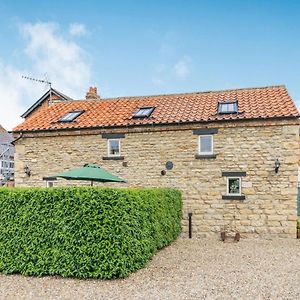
(177, 94)
(68, 98)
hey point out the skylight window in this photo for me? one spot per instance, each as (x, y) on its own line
(228, 107)
(71, 116)
(144, 112)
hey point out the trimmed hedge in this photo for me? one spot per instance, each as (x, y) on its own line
(85, 232)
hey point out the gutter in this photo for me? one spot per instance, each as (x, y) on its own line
(177, 123)
(16, 139)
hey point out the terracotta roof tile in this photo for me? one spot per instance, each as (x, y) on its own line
(266, 102)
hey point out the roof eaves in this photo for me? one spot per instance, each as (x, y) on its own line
(158, 124)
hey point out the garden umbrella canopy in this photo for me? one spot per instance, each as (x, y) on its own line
(90, 172)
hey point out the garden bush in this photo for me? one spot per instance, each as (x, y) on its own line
(85, 232)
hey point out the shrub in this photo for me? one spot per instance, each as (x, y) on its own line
(85, 232)
(298, 224)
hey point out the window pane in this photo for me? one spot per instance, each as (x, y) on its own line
(205, 144)
(70, 116)
(233, 185)
(144, 112)
(147, 111)
(139, 113)
(224, 107)
(114, 147)
(228, 107)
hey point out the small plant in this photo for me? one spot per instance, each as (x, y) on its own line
(298, 224)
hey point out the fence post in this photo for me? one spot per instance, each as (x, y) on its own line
(190, 225)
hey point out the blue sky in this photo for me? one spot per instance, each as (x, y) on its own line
(145, 47)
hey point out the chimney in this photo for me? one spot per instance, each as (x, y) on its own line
(92, 94)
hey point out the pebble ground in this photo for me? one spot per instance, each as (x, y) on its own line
(187, 269)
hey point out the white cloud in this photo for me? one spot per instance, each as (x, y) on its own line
(77, 29)
(49, 52)
(11, 91)
(182, 67)
(64, 61)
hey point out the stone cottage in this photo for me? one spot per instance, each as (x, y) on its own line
(233, 153)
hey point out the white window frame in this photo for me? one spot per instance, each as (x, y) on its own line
(240, 186)
(108, 148)
(212, 144)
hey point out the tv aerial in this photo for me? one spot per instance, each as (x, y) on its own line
(45, 81)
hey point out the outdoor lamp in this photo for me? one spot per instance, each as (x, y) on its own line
(277, 165)
(27, 170)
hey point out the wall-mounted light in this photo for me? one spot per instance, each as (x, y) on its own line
(27, 170)
(277, 165)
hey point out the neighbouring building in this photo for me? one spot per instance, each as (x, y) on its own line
(50, 97)
(232, 153)
(7, 151)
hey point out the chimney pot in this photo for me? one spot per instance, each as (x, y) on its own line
(92, 94)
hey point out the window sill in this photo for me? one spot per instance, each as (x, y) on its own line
(205, 156)
(232, 197)
(113, 157)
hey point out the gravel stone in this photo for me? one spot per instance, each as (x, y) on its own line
(187, 269)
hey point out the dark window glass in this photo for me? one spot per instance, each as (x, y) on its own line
(234, 186)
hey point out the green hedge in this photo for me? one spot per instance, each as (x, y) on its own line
(85, 232)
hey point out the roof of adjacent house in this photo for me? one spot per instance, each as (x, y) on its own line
(5, 143)
(253, 103)
(5, 138)
(43, 98)
(2, 129)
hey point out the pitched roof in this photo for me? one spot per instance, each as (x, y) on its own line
(2, 129)
(5, 143)
(43, 98)
(6, 138)
(253, 103)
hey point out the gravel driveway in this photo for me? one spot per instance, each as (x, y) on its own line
(188, 269)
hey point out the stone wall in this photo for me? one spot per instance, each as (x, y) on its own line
(269, 208)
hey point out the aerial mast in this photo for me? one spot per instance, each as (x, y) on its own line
(41, 81)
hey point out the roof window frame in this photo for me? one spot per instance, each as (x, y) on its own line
(151, 108)
(64, 118)
(235, 111)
